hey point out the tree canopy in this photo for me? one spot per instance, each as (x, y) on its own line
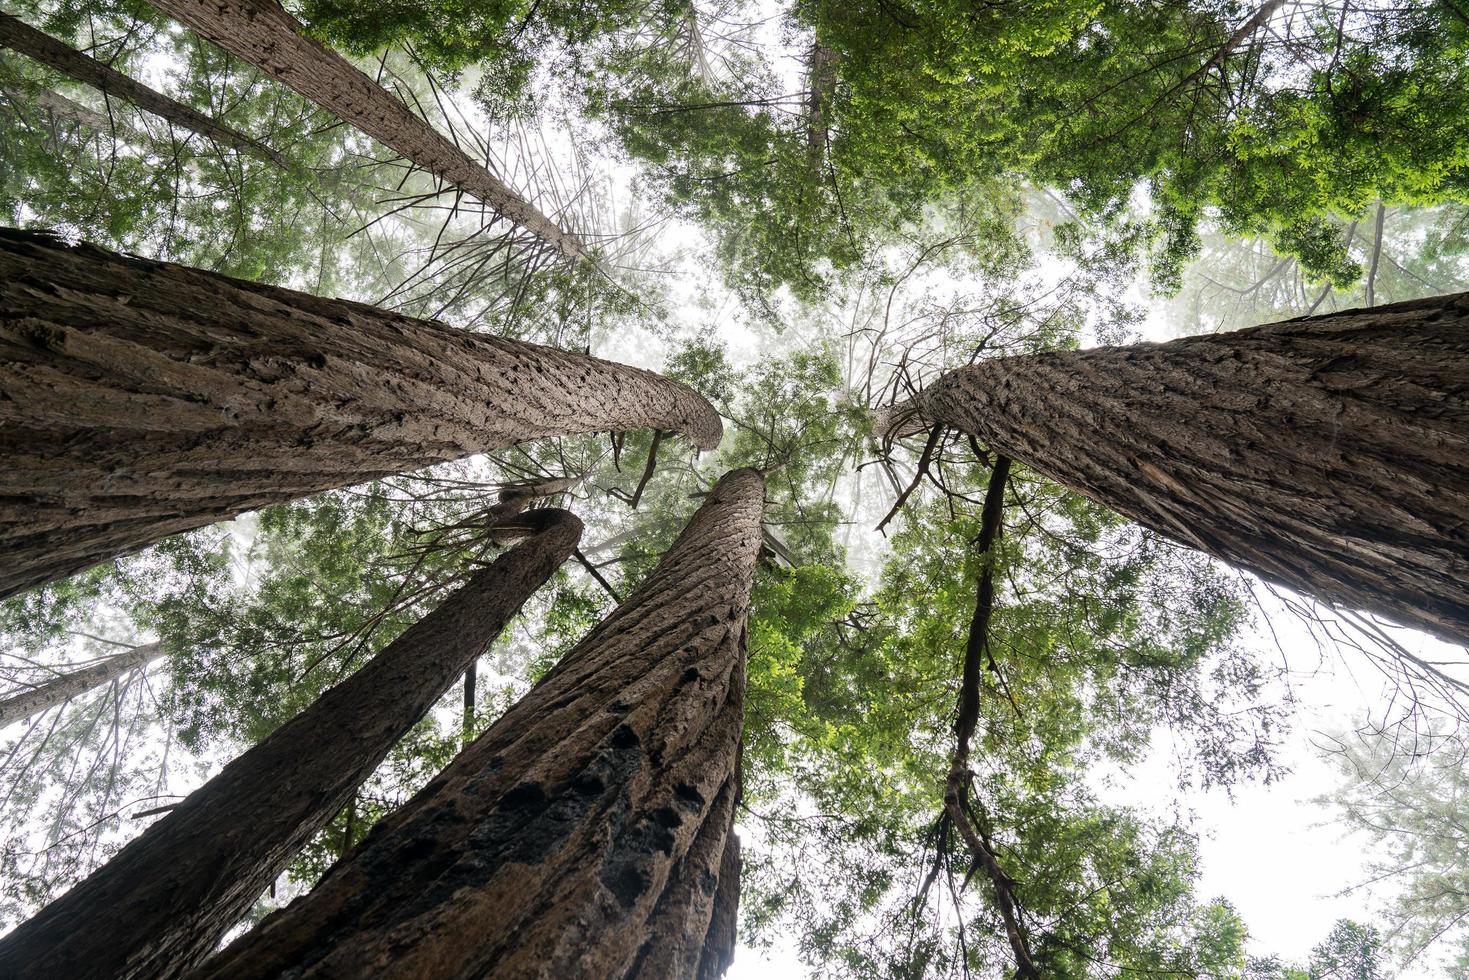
(805, 212)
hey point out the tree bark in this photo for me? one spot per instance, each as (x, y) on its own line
(20, 36)
(588, 832)
(1329, 454)
(75, 684)
(263, 34)
(162, 904)
(139, 399)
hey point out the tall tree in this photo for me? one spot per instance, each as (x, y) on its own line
(263, 34)
(145, 398)
(78, 682)
(20, 36)
(1329, 454)
(589, 831)
(163, 903)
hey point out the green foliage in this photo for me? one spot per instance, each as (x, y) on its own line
(1098, 99)
(1102, 636)
(1350, 952)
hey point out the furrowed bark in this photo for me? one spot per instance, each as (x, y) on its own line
(139, 399)
(76, 683)
(588, 832)
(162, 904)
(1329, 454)
(263, 34)
(20, 36)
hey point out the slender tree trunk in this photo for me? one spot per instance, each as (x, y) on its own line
(821, 80)
(1329, 454)
(263, 34)
(20, 36)
(958, 801)
(588, 832)
(75, 684)
(163, 903)
(139, 399)
(1243, 33)
(75, 112)
(1376, 254)
(471, 676)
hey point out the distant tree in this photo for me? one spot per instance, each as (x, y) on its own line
(40, 697)
(1412, 803)
(1100, 637)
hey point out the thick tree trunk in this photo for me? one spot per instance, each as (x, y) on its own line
(75, 684)
(163, 903)
(139, 399)
(20, 36)
(588, 832)
(1329, 454)
(263, 34)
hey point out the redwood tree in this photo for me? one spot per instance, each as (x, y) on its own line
(143, 398)
(20, 36)
(263, 34)
(588, 832)
(163, 903)
(1329, 454)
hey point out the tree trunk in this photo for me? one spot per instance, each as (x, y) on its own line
(76, 113)
(163, 903)
(139, 399)
(588, 832)
(471, 675)
(263, 34)
(20, 36)
(821, 80)
(79, 682)
(1329, 454)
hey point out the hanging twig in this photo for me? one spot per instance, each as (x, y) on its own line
(923, 461)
